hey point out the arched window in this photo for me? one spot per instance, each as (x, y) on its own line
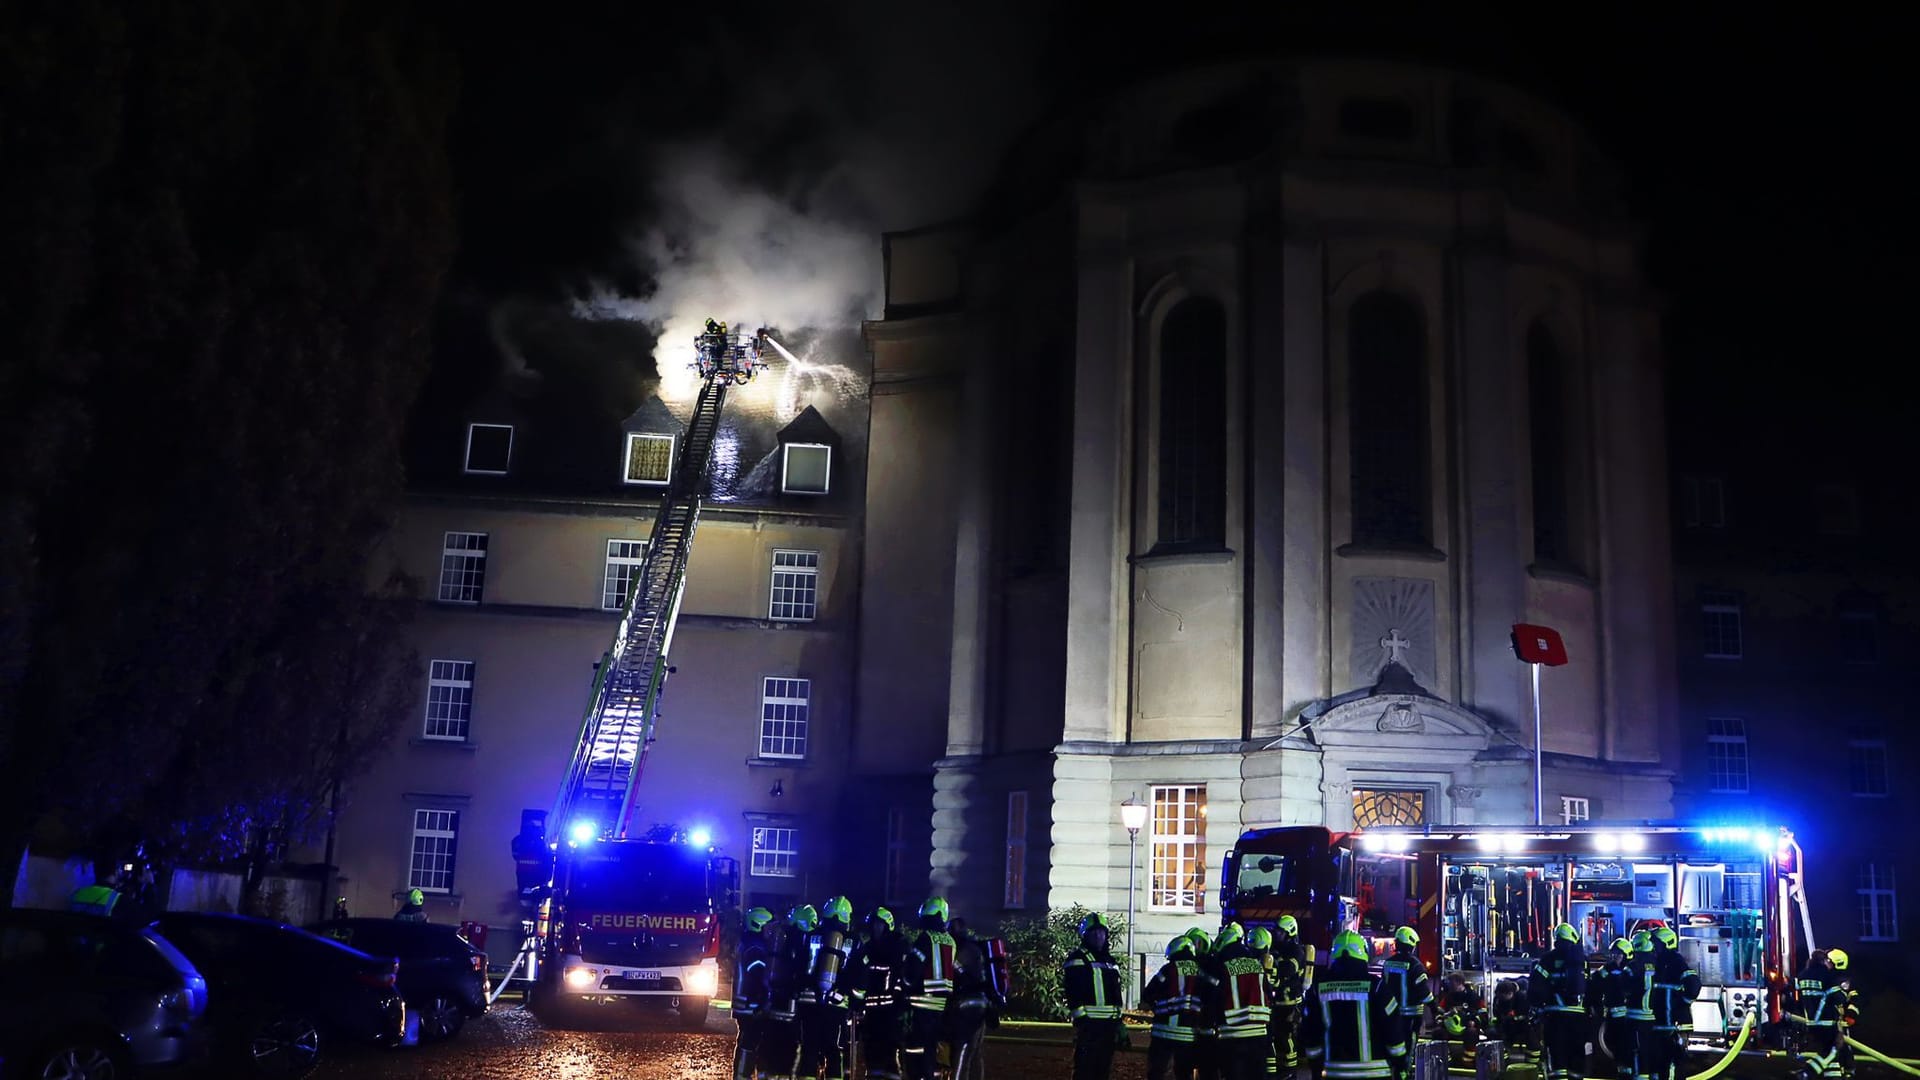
(1387, 421)
(1193, 436)
(1548, 433)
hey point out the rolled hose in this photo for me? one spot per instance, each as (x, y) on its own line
(1882, 1058)
(1746, 1028)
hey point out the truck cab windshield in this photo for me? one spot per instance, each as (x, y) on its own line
(641, 880)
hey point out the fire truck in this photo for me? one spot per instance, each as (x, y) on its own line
(1486, 899)
(614, 909)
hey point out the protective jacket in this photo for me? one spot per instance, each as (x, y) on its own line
(1675, 985)
(1820, 998)
(928, 970)
(752, 970)
(1348, 1017)
(1559, 982)
(1244, 1008)
(1092, 983)
(1178, 995)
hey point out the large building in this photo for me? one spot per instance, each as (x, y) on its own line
(1229, 441)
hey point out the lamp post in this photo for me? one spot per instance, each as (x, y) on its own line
(1538, 647)
(1133, 814)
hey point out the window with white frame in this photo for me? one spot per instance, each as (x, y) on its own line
(1867, 764)
(899, 877)
(463, 567)
(449, 699)
(1720, 625)
(436, 835)
(649, 459)
(796, 586)
(1727, 754)
(784, 707)
(1703, 502)
(624, 560)
(776, 851)
(1177, 875)
(1574, 808)
(1015, 895)
(805, 468)
(489, 448)
(1879, 908)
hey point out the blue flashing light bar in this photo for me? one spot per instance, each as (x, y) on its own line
(583, 831)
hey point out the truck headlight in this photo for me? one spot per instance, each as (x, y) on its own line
(581, 978)
(704, 981)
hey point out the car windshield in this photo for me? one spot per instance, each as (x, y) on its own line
(638, 880)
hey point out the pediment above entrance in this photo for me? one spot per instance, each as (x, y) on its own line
(1407, 724)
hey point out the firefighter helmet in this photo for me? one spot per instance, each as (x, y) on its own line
(1202, 944)
(1259, 939)
(1642, 941)
(1230, 934)
(1624, 945)
(934, 908)
(416, 897)
(1092, 921)
(1407, 936)
(804, 918)
(1288, 925)
(1181, 944)
(1566, 932)
(1454, 1024)
(881, 915)
(839, 909)
(1348, 943)
(1666, 938)
(756, 919)
(1839, 958)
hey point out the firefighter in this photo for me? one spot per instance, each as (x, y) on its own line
(1348, 1014)
(823, 1000)
(1243, 1012)
(1404, 975)
(1559, 992)
(1178, 995)
(340, 908)
(1462, 1013)
(878, 1007)
(977, 1001)
(1091, 980)
(780, 1031)
(1607, 995)
(1637, 999)
(1260, 940)
(415, 909)
(1291, 972)
(1675, 986)
(927, 977)
(1206, 1037)
(1821, 1013)
(751, 968)
(1510, 1019)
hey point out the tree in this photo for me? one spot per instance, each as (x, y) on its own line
(226, 226)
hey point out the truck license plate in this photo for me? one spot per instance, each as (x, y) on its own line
(650, 976)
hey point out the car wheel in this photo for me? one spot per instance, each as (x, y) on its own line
(440, 1018)
(693, 1011)
(287, 1045)
(76, 1059)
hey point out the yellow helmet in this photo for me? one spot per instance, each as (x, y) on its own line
(1348, 943)
(1229, 934)
(416, 897)
(1666, 938)
(1288, 925)
(1407, 936)
(1566, 932)
(1624, 945)
(1181, 944)
(756, 919)
(1202, 944)
(1839, 958)
(1642, 941)
(1260, 939)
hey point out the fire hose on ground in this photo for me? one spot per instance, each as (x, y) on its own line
(523, 957)
(1746, 1028)
(1883, 1059)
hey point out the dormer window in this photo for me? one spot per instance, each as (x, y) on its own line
(805, 468)
(649, 459)
(489, 449)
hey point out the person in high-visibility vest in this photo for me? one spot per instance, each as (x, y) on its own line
(1206, 1036)
(1404, 975)
(1674, 988)
(1178, 995)
(752, 966)
(1607, 994)
(415, 909)
(1289, 974)
(1091, 980)
(874, 990)
(1559, 992)
(1243, 1011)
(1349, 1014)
(1820, 1013)
(927, 975)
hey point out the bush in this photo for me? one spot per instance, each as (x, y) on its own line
(1036, 948)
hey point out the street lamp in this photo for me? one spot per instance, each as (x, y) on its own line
(1133, 814)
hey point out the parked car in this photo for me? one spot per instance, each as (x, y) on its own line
(87, 998)
(279, 997)
(442, 976)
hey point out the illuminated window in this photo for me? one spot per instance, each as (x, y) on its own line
(1389, 806)
(805, 468)
(1193, 446)
(796, 586)
(463, 567)
(1574, 808)
(625, 558)
(1879, 908)
(784, 705)
(1015, 895)
(1548, 437)
(1703, 502)
(776, 851)
(436, 835)
(1387, 421)
(649, 459)
(449, 699)
(1727, 754)
(1178, 869)
(900, 879)
(489, 448)
(1720, 625)
(1867, 765)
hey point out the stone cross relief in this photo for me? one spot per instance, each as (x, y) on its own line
(1394, 646)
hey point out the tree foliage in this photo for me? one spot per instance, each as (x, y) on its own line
(226, 224)
(1035, 950)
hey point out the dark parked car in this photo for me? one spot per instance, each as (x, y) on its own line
(279, 996)
(85, 998)
(442, 976)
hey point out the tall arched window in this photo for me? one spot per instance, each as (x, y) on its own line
(1548, 433)
(1387, 421)
(1193, 436)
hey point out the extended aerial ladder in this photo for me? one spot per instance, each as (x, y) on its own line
(596, 799)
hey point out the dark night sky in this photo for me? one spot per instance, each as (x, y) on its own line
(1765, 156)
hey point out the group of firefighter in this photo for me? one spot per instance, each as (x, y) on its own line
(1241, 1005)
(812, 993)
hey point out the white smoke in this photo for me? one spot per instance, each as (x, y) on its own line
(721, 246)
